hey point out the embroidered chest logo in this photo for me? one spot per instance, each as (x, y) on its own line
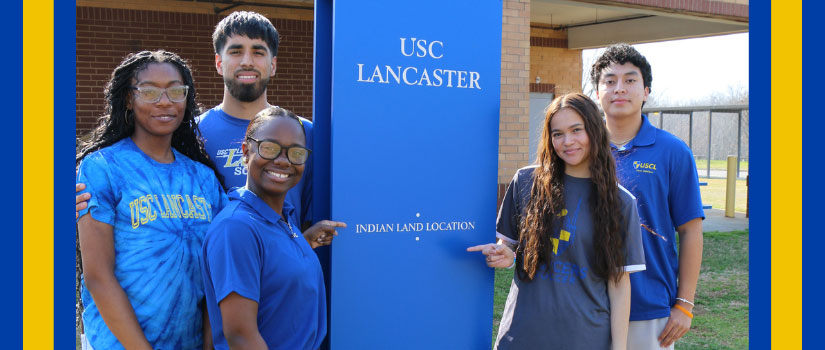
(644, 167)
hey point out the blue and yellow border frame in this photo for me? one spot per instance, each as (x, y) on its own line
(43, 240)
(47, 124)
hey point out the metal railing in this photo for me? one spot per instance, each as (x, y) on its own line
(657, 118)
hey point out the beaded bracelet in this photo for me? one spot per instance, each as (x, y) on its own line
(686, 301)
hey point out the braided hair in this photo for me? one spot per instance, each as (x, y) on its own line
(118, 122)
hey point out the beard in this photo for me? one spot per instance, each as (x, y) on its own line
(245, 92)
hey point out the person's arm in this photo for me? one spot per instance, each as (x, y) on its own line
(232, 264)
(619, 293)
(207, 328)
(322, 232)
(502, 253)
(98, 252)
(240, 324)
(690, 261)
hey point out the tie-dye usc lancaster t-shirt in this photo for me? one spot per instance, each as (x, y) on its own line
(159, 213)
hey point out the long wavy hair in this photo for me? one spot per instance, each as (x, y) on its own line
(118, 121)
(547, 197)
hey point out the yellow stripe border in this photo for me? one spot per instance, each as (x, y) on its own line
(38, 175)
(786, 180)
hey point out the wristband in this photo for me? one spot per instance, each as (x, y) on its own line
(686, 301)
(513, 264)
(682, 309)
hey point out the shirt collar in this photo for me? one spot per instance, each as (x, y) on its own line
(264, 210)
(230, 118)
(645, 137)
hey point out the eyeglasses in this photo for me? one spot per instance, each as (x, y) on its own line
(269, 150)
(151, 94)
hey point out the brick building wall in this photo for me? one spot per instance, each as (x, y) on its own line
(106, 35)
(553, 62)
(514, 120)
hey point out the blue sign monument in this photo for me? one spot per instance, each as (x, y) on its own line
(407, 97)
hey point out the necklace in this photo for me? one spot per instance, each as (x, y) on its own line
(622, 143)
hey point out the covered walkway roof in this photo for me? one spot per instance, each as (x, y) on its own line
(597, 23)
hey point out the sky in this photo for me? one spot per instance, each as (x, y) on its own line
(690, 69)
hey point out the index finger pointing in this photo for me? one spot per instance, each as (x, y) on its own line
(338, 224)
(477, 248)
(333, 224)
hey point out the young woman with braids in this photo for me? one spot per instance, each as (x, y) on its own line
(575, 234)
(156, 192)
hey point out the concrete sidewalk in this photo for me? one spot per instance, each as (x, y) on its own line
(715, 220)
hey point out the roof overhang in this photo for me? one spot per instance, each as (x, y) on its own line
(596, 23)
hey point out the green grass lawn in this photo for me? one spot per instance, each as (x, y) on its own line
(714, 194)
(503, 279)
(721, 313)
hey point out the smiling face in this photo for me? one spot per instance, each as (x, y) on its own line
(271, 179)
(621, 91)
(570, 142)
(246, 66)
(161, 118)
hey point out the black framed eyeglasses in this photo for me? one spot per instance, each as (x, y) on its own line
(151, 94)
(270, 149)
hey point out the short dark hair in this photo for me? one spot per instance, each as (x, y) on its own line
(621, 53)
(249, 24)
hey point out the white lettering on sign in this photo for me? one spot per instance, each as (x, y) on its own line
(424, 49)
(416, 227)
(419, 75)
(422, 226)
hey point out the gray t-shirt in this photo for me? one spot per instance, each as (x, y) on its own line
(566, 306)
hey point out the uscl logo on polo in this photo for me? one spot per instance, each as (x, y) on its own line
(644, 167)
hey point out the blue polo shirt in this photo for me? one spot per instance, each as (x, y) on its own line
(659, 170)
(250, 250)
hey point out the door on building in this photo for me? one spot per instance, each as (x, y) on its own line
(538, 106)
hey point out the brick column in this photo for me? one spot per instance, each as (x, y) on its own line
(515, 98)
